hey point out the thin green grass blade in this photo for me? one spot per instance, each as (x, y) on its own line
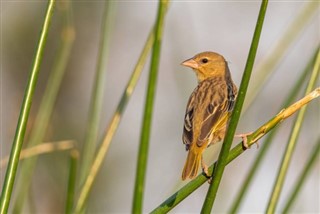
(223, 156)
(303, 176)
(269, 139)
(24, 114)
(273, 201)
(91, 137)
(46, 107)
(113, 125)
(74, 159)
(277, 54)
(148, 109)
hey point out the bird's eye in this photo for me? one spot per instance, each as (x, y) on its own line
(204, 60)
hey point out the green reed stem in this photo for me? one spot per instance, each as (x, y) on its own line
(223, 156)
(276, 54)
(148, 109)
(273, 201)
(46, 107)
(91, 137)
(269, 139)
(113, 125)
(301, 180)
(74, 158)
(24, 114)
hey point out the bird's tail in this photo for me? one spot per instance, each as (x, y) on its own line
(191, 166)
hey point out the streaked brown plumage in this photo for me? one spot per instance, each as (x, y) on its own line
(208, 109)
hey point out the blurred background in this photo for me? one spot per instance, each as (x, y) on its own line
(190, 27)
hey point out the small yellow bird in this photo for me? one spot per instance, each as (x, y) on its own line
(208, 110)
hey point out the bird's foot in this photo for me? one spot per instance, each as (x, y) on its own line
(245, 140)
(205, 171)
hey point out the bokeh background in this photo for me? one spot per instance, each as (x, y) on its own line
(190, 27)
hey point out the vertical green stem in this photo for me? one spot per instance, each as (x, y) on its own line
(302, 177)
(223, 156)
(147, 118)
(291, 144)
(24, 114)
(268, 141)
(74, 157)
(46, 107)
(283, 44)
(91, 137)
(113, 125)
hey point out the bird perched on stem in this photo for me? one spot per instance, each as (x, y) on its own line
(208, 110)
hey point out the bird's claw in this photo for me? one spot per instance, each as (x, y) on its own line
(205, 171)
(206, 174)
(245, 140)
(210, 180)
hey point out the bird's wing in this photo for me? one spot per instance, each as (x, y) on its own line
(188, 121)
(217, 112)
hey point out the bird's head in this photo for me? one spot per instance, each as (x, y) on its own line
(207, 65)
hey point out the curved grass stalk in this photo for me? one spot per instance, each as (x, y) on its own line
(186, 190)
(268, 141)
(305, 172)
(223, 156)
(113, 125)
(24, 114)
(91, 137)
(46, 107)
(291, 145)
(41, 149)
(148, 109)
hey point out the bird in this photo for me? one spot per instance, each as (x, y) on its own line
(208, 110)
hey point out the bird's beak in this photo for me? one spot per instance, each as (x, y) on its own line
(190, 63)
